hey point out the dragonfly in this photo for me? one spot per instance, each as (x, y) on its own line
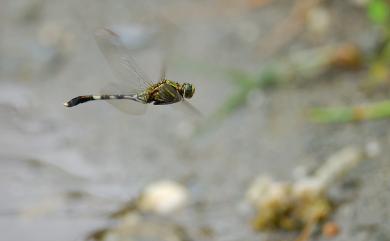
(136, 90)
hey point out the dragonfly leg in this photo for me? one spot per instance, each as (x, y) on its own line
(159, 103)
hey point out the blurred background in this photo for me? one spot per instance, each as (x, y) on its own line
(282, 85)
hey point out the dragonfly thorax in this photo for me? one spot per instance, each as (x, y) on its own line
(166, 92)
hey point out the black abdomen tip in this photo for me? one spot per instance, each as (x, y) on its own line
(78, 100)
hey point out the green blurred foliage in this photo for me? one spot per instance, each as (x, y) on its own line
(378, 79)
(379, 11)
(378, 75)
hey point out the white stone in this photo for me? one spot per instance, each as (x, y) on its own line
(163, 197)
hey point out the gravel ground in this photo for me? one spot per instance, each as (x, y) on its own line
(63, 170)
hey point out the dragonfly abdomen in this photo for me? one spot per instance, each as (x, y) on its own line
(85, 98)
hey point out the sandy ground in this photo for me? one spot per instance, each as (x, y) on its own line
(62, 170)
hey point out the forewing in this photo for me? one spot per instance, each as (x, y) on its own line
(124, 105)
(167, 95)
(188, 108)
(120, 60)
(163, 72)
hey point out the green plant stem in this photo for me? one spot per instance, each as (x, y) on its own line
(371, 111)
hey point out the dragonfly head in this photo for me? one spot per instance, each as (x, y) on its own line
(188, 90)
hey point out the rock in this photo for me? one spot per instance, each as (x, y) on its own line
(163, 197)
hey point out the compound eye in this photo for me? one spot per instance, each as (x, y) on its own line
(188, 91)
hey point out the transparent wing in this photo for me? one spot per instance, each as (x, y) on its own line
(120, 60)
(126, 106)
(167, 48)
(163, 72)
(188, 108)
